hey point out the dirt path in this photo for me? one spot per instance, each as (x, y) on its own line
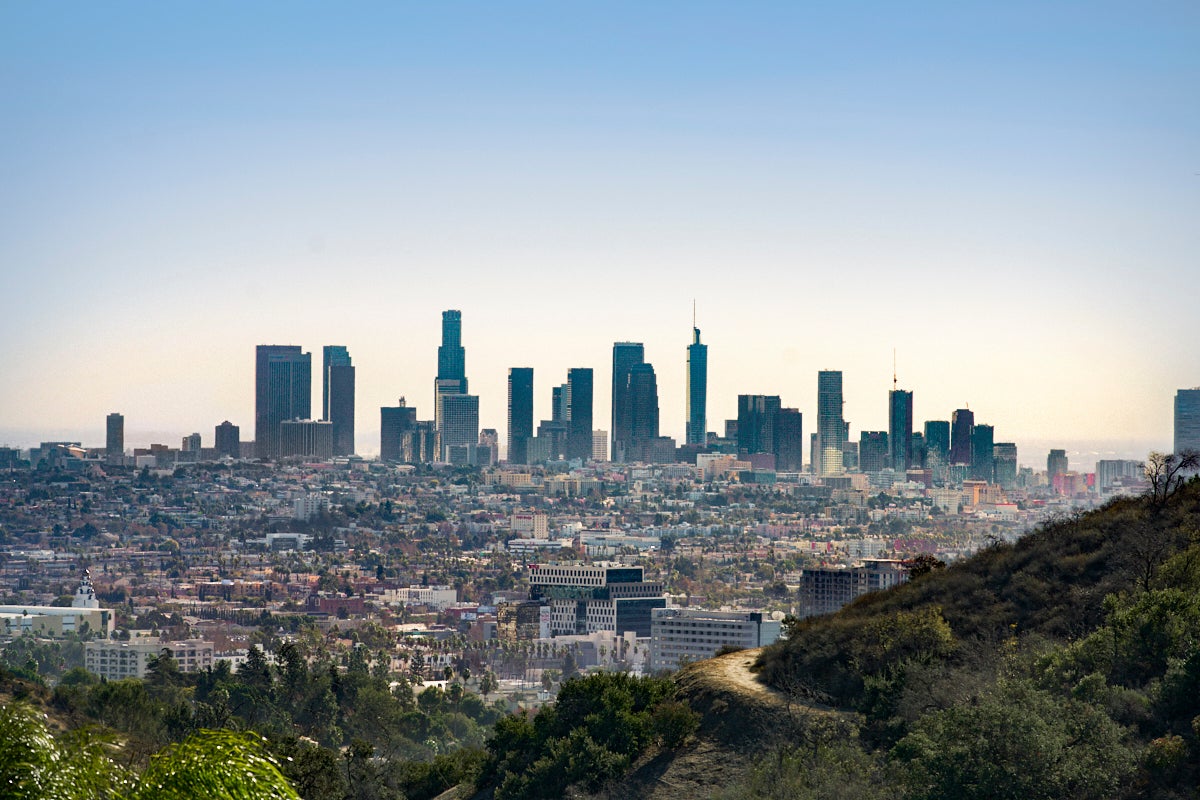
(734, 670)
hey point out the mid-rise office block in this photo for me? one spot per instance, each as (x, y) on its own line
(600, 446)
(520, 414)
(337, 397)
(824, 590)
(680, 636)
(228, 439)
(282, 391)
(789, 440)
(306, 438)
(114, 438)
(757, 415)
(191, 443)
(460, 422)
(591, 599)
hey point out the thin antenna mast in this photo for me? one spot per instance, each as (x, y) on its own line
(895, 383)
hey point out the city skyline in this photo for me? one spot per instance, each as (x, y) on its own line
(827, 183)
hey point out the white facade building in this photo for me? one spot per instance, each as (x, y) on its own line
(681, 635)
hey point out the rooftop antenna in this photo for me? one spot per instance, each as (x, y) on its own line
(895, 383)
(693, 312)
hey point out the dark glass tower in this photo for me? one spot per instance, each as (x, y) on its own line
(642, 414)
(625, 356)
(983, 460)
(452, 357)
(900, 416)
(520, 413)
(228, 439)
(1187, 420)
(789, 440)
(872, 451)
(337, 397)
(697, 390)
(114, 439)
(282, 391)
(831, 428)
(757, 416)
(579, 413)
(937, 440)
(960, 436)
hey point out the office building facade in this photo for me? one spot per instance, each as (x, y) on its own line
(961, 424)
(680, 636)
(983, 460)
(579, 413)
(697, 391)
(831, 427)
(114, 436)
(282, 391)
(900, 429)
(337, 397)
(641, 399)
(520, 414)
(228, 440)
(1187, 420)
(625, 356)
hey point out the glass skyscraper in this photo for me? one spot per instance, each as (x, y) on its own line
(520, 413)
(337, 397)
(282, 391)
(900, 416)
(1187, 420)
(625, 356)
(642, 414)
(697, 390)
(961, 424)
(831, 428)
(579, 413)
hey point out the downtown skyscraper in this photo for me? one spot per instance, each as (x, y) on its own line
(455, 413)
(641, 400)
(337, 397)
(626, 355)
(697, 391)
(579, 413)
(520, 414)
(900, 429)
(282, 391)
(1187, 420)
(831, 427)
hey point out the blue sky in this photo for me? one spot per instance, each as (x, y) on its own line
(1006, 194)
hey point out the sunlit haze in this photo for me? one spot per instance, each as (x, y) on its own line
(1006, 196)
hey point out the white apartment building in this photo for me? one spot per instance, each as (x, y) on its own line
(681, 635)
(114, 660)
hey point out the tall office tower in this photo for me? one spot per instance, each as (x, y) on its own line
(641, 413)
(1056, 464)
(579, 413)
(814, 453)
(831, 428)
(960, 436)
(697, 391)
(872, 451)
(789, 440)
(983, 459)
(452, 358)
(900, 422)
(460, 425)
(1187, 420)
(228, 440)
(937, 440)
(114, 439)
(282, 391)
(520, 414)
(337, 397)
(396, 427)
(1006, 464)
(625, 356)
(757, 415)
(306, 437)
(920, 453)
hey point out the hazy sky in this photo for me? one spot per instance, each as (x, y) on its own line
(1007, 194)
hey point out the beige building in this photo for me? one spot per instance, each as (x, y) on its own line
(117, 660)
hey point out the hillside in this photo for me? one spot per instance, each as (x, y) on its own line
(1064, 665)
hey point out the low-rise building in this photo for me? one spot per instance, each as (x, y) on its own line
(682, 635)
(115, 661)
